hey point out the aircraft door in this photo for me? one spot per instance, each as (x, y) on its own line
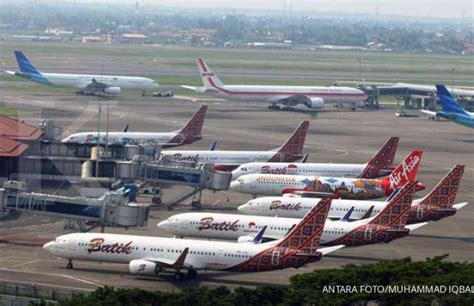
(72, 245)
(419, 212)
(368, 233)
(275, 257)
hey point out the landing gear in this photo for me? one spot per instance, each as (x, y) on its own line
(288, 108)
(69, 265)
(143, 93)
(178, 276)
(274, 107)
(157, 270)
(192, 273)
(196, 204)
(354, 107)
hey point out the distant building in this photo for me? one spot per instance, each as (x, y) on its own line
(133, 38)
(93, 39)
(59, 32)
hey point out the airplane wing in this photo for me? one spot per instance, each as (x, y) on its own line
(200, 89)
(330, 249)
(460, 205)
(295, 100)
(96, 86)
(415, 226)
(428, 112)
(170, 263)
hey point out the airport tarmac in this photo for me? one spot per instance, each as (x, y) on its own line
(334, 136)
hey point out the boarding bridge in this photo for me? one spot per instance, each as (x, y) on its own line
(167, 171)
(112, 209)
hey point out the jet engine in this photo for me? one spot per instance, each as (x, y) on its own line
(315, 103)
(143, 267)
(112, 91)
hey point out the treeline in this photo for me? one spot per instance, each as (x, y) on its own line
(395, 34)
(433, 281)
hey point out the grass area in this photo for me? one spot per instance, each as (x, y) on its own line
(6, 111)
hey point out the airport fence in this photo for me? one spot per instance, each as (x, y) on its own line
(22, 293)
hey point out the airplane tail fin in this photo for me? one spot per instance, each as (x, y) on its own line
(395, 213)
(406, 170)
(25, 65)
(193, 127)
(293, 145)
(444, 194)
(306, 234)
(209, 78)
(448, 102)
(382, 159)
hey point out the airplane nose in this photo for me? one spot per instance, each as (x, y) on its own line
(420, 186)
(162, 224)
(235, 185)
(242, 208)
(48, 246)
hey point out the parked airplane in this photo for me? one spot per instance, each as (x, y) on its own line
(380, 164)
(290, 151)
(346, 188)
(190, 133)
(311, 96)
(451, 109)
(87, 84)
(150, 255)
(387, 225)
(436, 205)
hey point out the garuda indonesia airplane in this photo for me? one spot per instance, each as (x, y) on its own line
(86, 84)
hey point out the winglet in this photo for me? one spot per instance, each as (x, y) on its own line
(213, 146)
(382, 159)
(368, 213)
(347, 216)
(258, 238)
(180, 261)
(125, 129)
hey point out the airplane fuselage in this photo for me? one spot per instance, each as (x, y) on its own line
(162, 139)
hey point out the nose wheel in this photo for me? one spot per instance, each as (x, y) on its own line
(69, 265)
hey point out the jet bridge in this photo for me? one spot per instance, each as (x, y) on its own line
(112, 209)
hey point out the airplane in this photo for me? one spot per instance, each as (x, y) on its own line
(387, 225)
(107, 85)
(380, 164)
(188, 134)
(290, 151)
(436, 205)
(147, 255)
(313, 97)
(451, 109)
(346, 188)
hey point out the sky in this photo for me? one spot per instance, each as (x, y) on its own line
(416, 8)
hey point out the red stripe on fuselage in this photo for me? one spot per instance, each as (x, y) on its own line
(233, 93)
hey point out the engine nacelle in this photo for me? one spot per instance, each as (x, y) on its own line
(245, 239)
(315, 103)
(142, 267)
(112, 91)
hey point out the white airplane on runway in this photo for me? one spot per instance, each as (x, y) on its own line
(87, 84)
(380, 164)
(313, 97)
(387, 225)
(150, 255)
(190, 133)
(291, 150)
(346, 188)
(437, 204)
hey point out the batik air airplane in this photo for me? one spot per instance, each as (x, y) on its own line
(150, 255)
(436, 205)
(313, 97)
(380, 164)
(387, 225)
(346, 188)
(190, 133)
(86, 83)
(291, 150)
